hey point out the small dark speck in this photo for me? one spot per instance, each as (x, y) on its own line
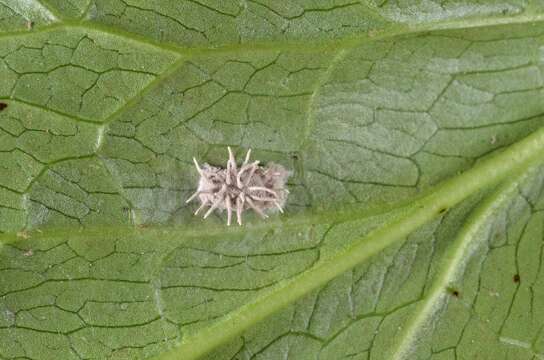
(294, 157)
(3, 105)
(454, 292)
(516, 278)
(443, 210)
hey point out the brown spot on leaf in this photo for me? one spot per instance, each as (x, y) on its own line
(454, 292)
(516, 278)
(3, 105)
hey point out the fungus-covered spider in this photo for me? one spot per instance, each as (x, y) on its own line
(251, 186)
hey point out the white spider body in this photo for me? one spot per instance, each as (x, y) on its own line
(250, 187)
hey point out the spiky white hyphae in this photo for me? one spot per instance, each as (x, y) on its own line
(260, 188)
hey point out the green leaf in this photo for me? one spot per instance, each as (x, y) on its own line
(414, 133)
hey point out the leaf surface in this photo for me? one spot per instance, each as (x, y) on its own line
(413, 131)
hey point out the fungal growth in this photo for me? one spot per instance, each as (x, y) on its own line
(250, 186)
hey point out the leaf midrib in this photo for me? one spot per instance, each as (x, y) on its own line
(195, 230)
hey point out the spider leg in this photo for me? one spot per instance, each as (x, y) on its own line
(262, 188)
(201, 207)
(278, 206)
(231, 166)
(239, 176)
(198, 192)
(254, 166)
(239, 208)
(227, 173)
(213, 207)
(258, 198)
(229, 210)
(192, 196)
(199, 169)
(217, 201)
(275, 201)
(232, 160)
(246, 161)
(255, 208)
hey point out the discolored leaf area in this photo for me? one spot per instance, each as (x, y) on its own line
(414, 227)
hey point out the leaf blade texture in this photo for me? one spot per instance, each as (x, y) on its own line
(414, 225)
